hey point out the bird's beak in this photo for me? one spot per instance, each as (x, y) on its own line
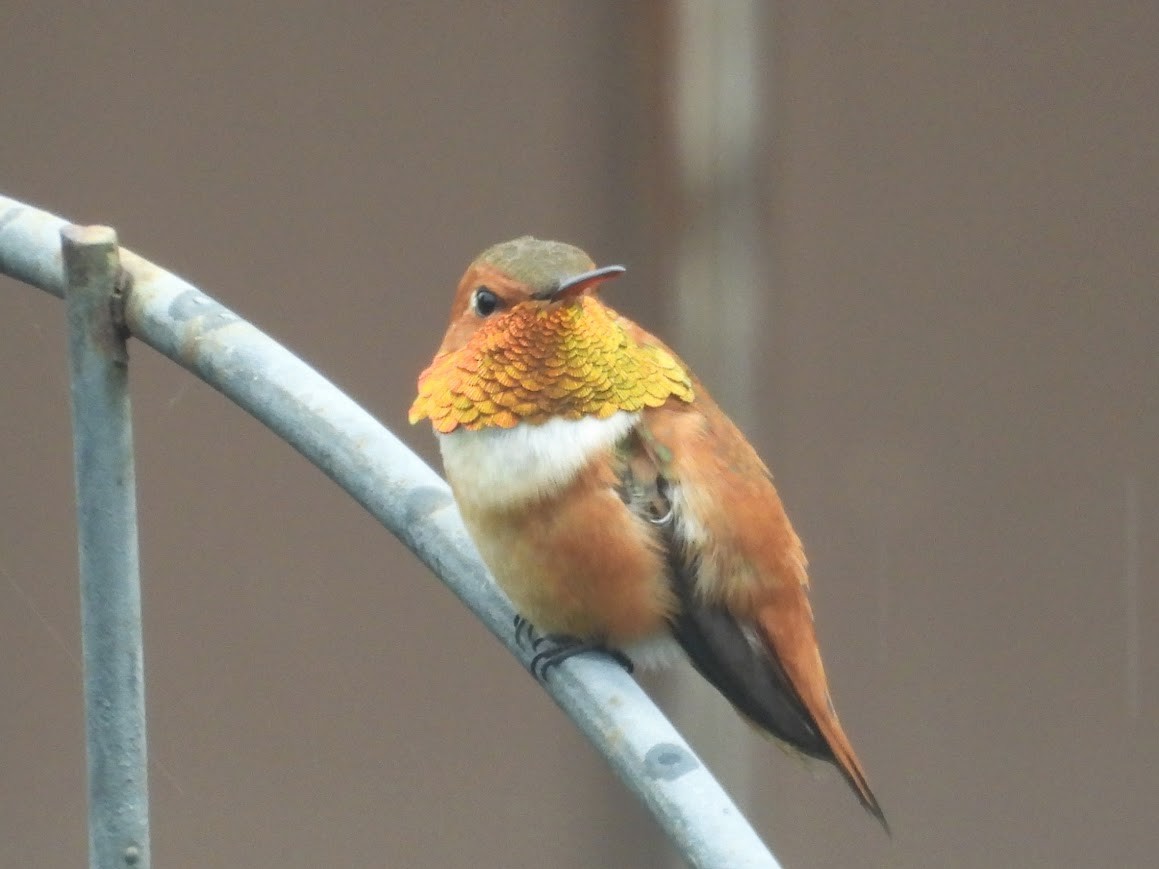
(577, 284)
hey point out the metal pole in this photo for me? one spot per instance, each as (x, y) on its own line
(107, 540)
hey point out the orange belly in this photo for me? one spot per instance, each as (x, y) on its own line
(577, 562)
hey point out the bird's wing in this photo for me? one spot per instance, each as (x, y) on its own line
(738, 571)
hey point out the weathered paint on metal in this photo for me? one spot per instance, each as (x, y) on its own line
(106, 507)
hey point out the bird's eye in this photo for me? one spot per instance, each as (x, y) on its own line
(485, 302)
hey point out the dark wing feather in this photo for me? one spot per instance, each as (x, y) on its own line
(750, 678)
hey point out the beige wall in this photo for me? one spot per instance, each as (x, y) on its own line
(959, 404)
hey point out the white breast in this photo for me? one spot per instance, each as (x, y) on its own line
(498, 467)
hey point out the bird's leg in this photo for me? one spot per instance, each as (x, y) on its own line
(564, 646)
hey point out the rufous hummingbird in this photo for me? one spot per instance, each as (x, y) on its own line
(613, 500)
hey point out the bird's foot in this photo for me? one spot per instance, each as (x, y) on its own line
(560, 647)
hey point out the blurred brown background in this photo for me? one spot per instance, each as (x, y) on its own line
(954, 374)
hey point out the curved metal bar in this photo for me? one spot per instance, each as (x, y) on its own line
(414, 503)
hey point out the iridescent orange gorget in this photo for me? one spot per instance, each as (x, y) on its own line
(538, 360)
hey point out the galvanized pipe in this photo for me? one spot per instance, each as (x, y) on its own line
(414, 503)
(106, 509)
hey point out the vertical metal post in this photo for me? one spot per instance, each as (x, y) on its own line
(718, 98)
(107, 540)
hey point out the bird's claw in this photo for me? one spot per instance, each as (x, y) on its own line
(560, 647)
(525, 632)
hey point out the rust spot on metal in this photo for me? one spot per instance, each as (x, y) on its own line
(118, 301)
(192, 305)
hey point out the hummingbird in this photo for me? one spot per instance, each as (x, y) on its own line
(614, 502)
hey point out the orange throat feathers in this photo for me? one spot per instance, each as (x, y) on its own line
(540, 362)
